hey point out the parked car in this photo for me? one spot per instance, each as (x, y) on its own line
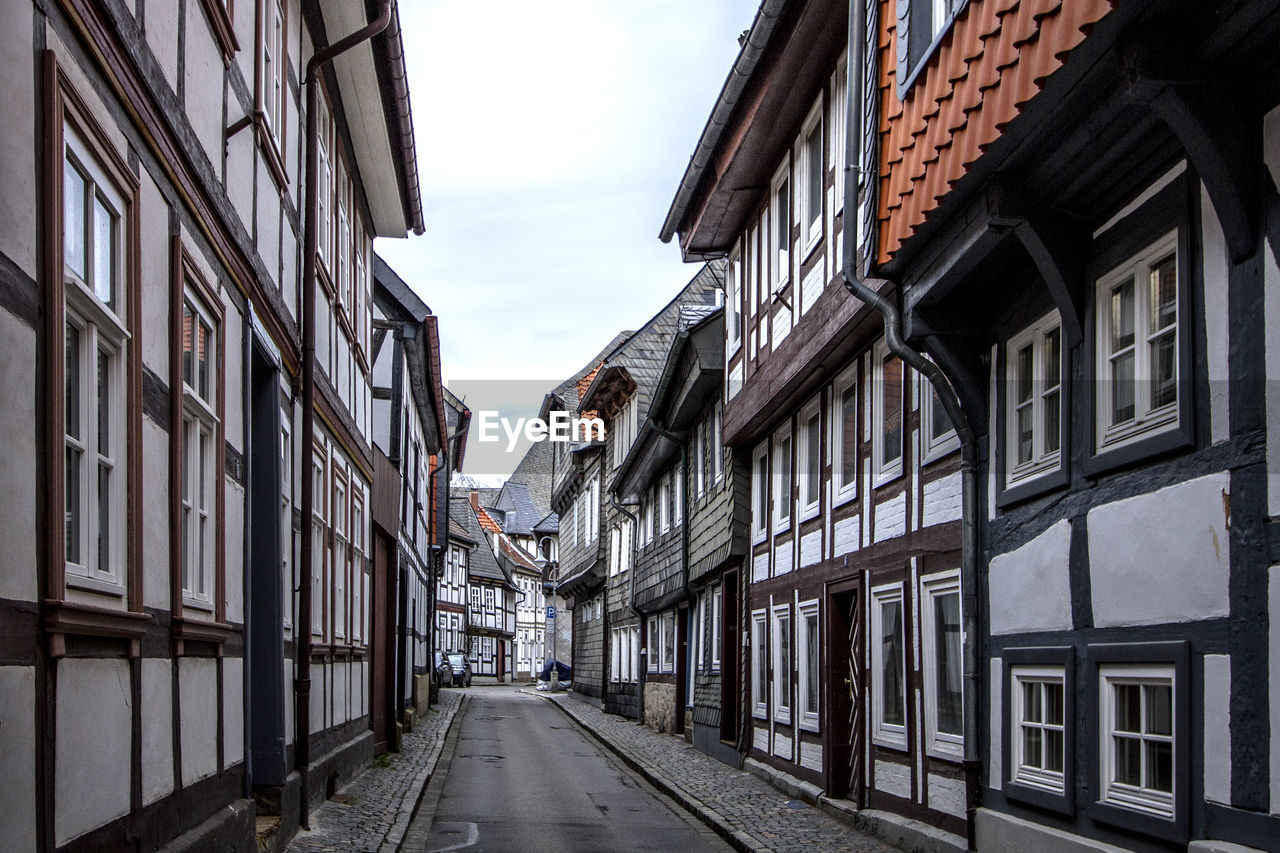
(459, 671)
(441, 673)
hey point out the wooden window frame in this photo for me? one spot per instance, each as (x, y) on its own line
(809, 720)
(1042, 461)
(221, 14)
(85, 616)
(842, 493)
(884, 472)
(891, 735)
(938, 744)
(272, 141)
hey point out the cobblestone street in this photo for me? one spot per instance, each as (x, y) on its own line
(372, 813)
(748, 812)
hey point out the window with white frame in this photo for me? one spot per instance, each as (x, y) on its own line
(759, 665)
(593, 510)
(667, 623)
(338, 621)
(1033, 400)
(625, 430)
(844, 436)
(1137, 737)
(732, 302)
(782, 479)
(273, 70)
(780, 230)
(96, 346)
(615, 556)
(654, 632)
(319, 537)
(888, 667)
(717, 601)
(626, 534)
(943, 666)
(937, 435)
(811, 178)
(809, 463)
(677, 495)
(782, 663)
(887, 428)
(839, 119)
(616, 652)
(699, 459)
(760, 492)
(697, 634)
(718, 450)
(664, 503)
(809, 664)
(647, 526)
(199, 449)
(925, 20)
(1037, 743)
(1137, 345)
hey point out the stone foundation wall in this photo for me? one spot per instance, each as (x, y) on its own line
(660, 706)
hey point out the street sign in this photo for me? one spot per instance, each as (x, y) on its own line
(551, 611)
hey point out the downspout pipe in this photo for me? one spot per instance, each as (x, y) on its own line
(641, 678)
(311, 241)
(950, 403)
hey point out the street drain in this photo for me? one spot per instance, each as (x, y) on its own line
(490, 758)
(491, 719)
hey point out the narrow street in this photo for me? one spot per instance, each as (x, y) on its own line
(522, 776)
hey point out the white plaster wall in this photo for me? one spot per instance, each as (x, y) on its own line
(205, 76)
(893, 779)
(341, 707)
(760, 739)
(995, 743)
(269, 223)
(233, 376)
(947, 795)
(891, 518)
(811, 548)
(18, 464)
(811, 755)
(155, 525)
(783, 557)
(68, 64)
(162, 35)
(233, 506)
(157, 728)
(1273, 682)
(94, 713)
(198, 730)
(243, 22)
(154, 250)
(1030, 587)
(847, 535)
(289, 268)
(232, 711)
(18, 757)
(811, 288)
(1217, 329)
(1217, 728)
(18, 167)
(782, 745)
(760, 567)
(781, 327)
(941, 501)
(240, 165)
(1171, 545)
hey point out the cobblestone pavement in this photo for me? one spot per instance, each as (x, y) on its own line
(372, 813)
(748, 812)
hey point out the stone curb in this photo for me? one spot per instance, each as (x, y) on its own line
(395, 836)
(740, 840)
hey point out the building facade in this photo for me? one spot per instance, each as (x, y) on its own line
(151, 308)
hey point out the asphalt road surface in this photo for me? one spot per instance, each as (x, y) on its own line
(522, 777)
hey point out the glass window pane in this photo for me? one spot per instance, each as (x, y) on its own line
(104, 403)
(1026, 434)
(1159, 709)
(1025, 372)
(1122, 316)
(1122, 390)
(813, 460)
(892, 662)
(782, 672)
(1128, 767)
(784, 479)
(104, 518)
(813, 158)
(73, 505)
(1053, 703)
(848, 436)
(1052, 358)
(812, 653)
(946, 614)
(74, 189)
(72, 372)
(939, 423)
(1054, 751)
(188, 344)
(1164, 388)
(1128, 708)
(1032, 710)
(104, 252)
(891, 396)
(1052, 421)
(1160, 766)
(203, 357)
(1164, 293)
(1032, 746)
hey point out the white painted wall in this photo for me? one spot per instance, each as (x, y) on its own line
(947, 795)
(783, 557)
(94, 732)
(198, 733)
(995, 743)
(155, 525)
(157, 728)
(18, 757)
(154, 250)
(941, 501)
(760, 567)
(1171, 544)
(811, 755)
(848, 535)
(204, 89)
(1217, 728)
(18, 461)
(1030, 587)
(893, 779)
(811, 548)
(232, 711)
(891, 518)
(1217, 329)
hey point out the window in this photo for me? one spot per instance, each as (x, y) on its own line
(625, 425)
(887, 431)
(717, 601)
(812, 175)
(1137, 345)
(677, 495)
(200, 445)
(809, 651)
(664, 502)
(718, 450)
(615, 556)
(732, 302)
(647, 530)
(839, 119)
(782, 480)
(926, 19)
(625, 533)
(760, 492)
(319, 537)
(759, 665)
(699, 459)
(273, 71)
(844, 440)
(593, 510)
(809, 465)
(888, 667)
(782, 664)
(943, 664)
(1033, 400)
(1137, 737)
(655, 644)
(1037, 741)
(95, 384)
(668, 645)
(780, 230)
(938, 436)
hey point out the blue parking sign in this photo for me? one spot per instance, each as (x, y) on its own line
(551, 611)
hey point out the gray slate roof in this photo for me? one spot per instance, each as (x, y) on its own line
(519, 514)
(483, 563)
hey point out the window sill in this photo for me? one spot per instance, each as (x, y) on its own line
(945, 751)
(64, 617)
(1176, 436)
(810, 726)
(944, 448)
(1169, 829)
(1032, 487)
(884, 478)
(270, 150)
(1034, 795)
(841, 499)
(892, 744)
(811, 512)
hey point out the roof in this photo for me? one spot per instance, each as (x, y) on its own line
(482, 563)
(534, 474)
(458, 417)
(550, 524)
(519, 512)
(567, 392)
(457, 531)
(486, 520)
(518, 557)
(404, 305)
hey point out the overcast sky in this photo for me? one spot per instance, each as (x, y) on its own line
(551, 139)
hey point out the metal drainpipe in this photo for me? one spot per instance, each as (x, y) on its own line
(950, 402)
(311, 239)
(641, 679)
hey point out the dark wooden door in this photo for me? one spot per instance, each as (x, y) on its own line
(845, 691)
(730, 672)
(378, 685)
